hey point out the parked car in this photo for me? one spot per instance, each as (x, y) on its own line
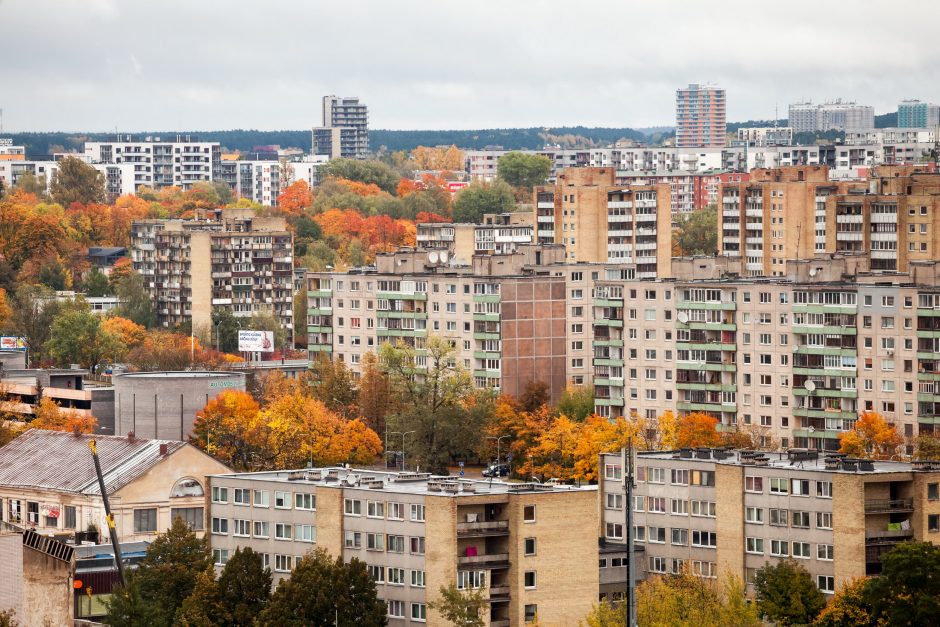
(496, 470)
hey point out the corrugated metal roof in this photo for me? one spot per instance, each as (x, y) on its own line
(54, 460)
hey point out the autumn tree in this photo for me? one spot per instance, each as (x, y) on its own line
(323, 590)
(576, 402)
(479, 198)
(333, 384)
(697, 429)
(688, 600)
(523, 170)
(295, 198)
(300, 319)
(49, 416)
(927, 446)
(203, 608)
(535, 394)
(848, 608)
(228, 428)
(871, 437)
(76, 181)
(363, 171)
(77, 336)
(605, 614)
(907, 592)
(461, 608)
(374, 397)
(786, 593)
(698, 232)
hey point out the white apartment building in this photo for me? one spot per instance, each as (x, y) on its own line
(805, 117)
(118, 178)
(160, 162)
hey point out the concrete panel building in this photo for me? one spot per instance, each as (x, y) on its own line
(917, 114)
(524, 545)
(805, 117)
(163, 405)
(700, 116)
(158, 162)
(345, 129)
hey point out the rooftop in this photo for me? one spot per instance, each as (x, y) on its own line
(402, 482)
(178, 374)
(52, 460)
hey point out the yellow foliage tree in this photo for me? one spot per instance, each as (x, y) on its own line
(872, 437)
(48, 415)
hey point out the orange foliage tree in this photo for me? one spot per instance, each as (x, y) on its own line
(872, 437)
(377, 233)
(697, 429)
(295, 198)
(48, 415)
(358, 188)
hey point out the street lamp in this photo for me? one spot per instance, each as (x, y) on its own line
(498, 442)
(402, 434)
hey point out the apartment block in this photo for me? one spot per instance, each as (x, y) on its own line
(796, 212)
(158, 162)
(231, 259)
(258, 181)
(700, 116)
(522, 544)
(498, 234)
(119, 179)
(717, 511)
(598, 221)
(805, 117)
(766, 136)
(344, 131)
(917, 114)
(11, 152)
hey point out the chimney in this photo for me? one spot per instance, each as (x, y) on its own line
(131, 436)
(163, 449)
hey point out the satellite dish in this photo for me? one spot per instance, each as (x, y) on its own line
(444, 256)
(351, 479)
(809, 385)
(433, 257)
(683, 317)
(813, 271)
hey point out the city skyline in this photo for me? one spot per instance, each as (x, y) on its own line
(435, 71)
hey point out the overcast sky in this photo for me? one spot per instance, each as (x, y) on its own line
(94, 65)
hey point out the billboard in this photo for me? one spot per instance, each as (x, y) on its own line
(8, 343)
(260, 341)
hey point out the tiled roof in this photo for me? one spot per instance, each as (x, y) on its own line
(53, 460)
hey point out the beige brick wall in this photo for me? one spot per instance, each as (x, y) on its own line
(729, 491)
(440, 559)
(330, 520)
(848, 521)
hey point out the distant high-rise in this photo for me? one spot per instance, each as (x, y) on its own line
(345, 130)
(917, 114)
(805, 117)
(700, 116)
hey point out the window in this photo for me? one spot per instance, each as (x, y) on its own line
(933, 523)
(801, 550)
(824, 520)
(615, 501)
(471, 579)
(612, 471)
(826, 583)
(305, 501)
(352, 507)
(419, 612)
(220, 526)
(753, 484)
(800, 520)
(779, 485)
(680, 537)
(824, 552)
(779, 517)
(395, 544)
(261, 498)
(396, 609)
(375, 541)
(377, 573)
(933, 491)
(353, 540)
(219, 495)
(657, 564)
(613, 531)
(375, 509)
(754, 515)
(192, 516)
(704, 538)
(396, 511)
(417, 578)
(145, 520)
(282, 500)
(704, 569)
(703, 477)
(679, 477)
(680, 507)
(531, 611)
(283, 531)
(755, 545)
(529, 579)
(417, 512)
(799, 487)
(220, 557)
(657, 475)
(529, 546)
(779, 548)
(70, 517)
(261, 529)
(824, 489)
(704, 508)
(417, 545)
(241, 528)
(656, 504)
(528, 513)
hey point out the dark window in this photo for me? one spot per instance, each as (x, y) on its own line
(528, 513)
(69, 517)
(933, 491)
(933, 522)
(531, 610)
(145, 520)
(192, 516)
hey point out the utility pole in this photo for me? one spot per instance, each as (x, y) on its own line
(108, 515)
(626, 463)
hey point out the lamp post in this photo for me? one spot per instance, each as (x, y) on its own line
(498, 442)
(403, 449)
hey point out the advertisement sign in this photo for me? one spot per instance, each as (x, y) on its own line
(256, 341)
(12, 343)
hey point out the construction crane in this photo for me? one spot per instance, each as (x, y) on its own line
(108, 515)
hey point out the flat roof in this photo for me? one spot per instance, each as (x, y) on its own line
(793, 459)
(180, 374)
(419, 483)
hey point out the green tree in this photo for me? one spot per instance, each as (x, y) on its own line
(244, 587)
(204, 607)
(305, 228)
(76, 181)
(698, 232)
(523, 170)
(364, 171)
(333, 384)
(96, 284)
(224, 193)
(577, 403)
(460, 608)
(225, 332)
(31, 184)
(54, 275)
(908, 590)
(77, 336)
(33, 309)
(479, 198)
(325, 591)
(164, 579)
(267, 321)
(300, 319)
(135, 302)
(434, 403)
(787, 594)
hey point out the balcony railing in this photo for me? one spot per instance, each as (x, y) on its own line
(889, 506)
(489, 527)
(483, 560)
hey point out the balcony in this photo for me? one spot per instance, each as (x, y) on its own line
(487, 528)
(491, 560)
(895, 506)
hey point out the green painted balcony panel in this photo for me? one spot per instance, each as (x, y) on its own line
(816, 433)
(599, 361)
(805, 330)
(399, 315)
(486, 336)
(486, 298)
(617, 383)
(320, 293)
(928, 398)
(928, 420)
(709, 387)
(608, 302)
(488, 374)
(933, 313)
(400, 333)
(684, 406)
(604, 322)
(828, 372)
(822, 413)
(931, 356)
(706, 346)
(929, 334)
(707, 326)
(800, 391)
(320, 348)
(486, 317)
(318, 329)
(607, 343)
(928, 376)
(401, 296)
(682, 304)
(825, 350)
(700, 365)
(486, 355)
(838, 309)
(610, 402)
